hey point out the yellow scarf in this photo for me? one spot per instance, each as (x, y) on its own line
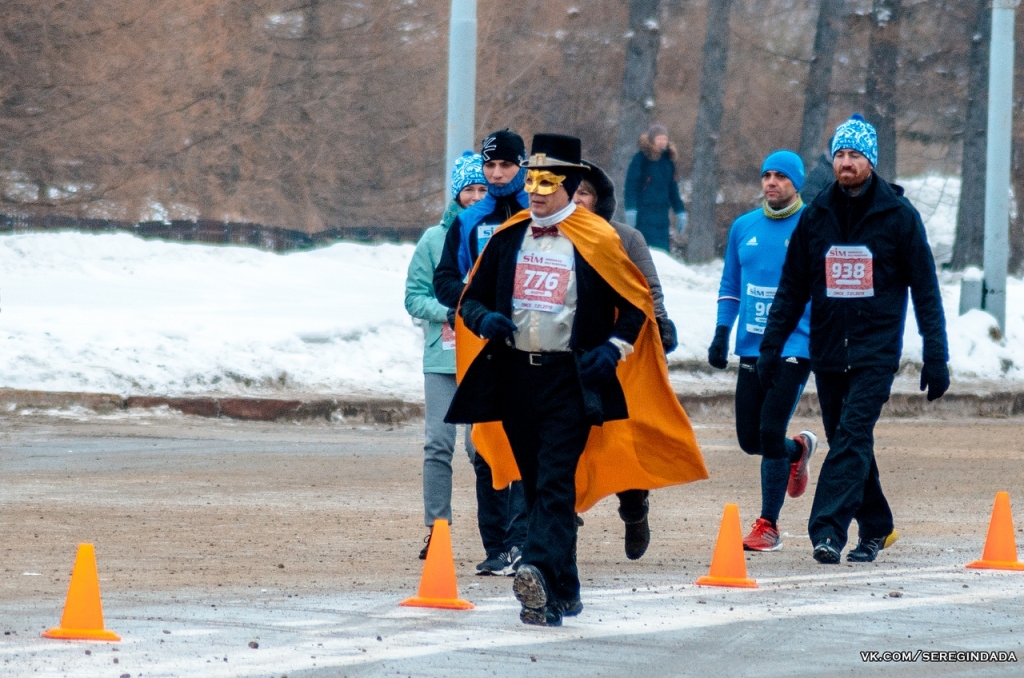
(654, 447)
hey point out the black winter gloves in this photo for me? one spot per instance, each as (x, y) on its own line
(597, 367)
(769, 363)
(935, 375)
(718, 352)
(667, 330)
(451, 317)
(496, 326)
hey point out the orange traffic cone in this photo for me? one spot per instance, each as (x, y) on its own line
(437, 585)
(728, 568)
(1000, 547)
(83, 612)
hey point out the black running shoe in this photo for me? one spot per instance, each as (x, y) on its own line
(638, 538)
(867, 549)
(493, 565)
(426, 547)
(826, 553)
(570, 608)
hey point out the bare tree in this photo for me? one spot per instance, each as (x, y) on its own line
(637, 99)
(883, 68)
(819, 79)
(702, 226)
(969, 245)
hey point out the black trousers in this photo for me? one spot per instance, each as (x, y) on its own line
(763, 416)
(848, 485)
(501, 514)
(546, 427)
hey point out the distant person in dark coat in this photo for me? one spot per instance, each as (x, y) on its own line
(820, 176)
(652, 189)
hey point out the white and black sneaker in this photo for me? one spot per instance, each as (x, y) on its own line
(511, 560)
(493, 565)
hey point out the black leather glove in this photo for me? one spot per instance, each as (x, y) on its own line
(769, 364)
(496, 326)
(718, 352)
(667, 330)
(451, 317)
(935, 375)
(597, 367)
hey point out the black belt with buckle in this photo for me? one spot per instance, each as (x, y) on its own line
(542, 359)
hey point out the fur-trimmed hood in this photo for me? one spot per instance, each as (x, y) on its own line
(653, 154)
(604, 188)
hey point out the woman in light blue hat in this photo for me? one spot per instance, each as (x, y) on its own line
(468, 187)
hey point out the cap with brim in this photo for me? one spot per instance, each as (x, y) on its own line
(554, 152)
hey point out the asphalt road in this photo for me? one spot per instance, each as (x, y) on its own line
(211, 535)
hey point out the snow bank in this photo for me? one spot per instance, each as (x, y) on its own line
(114, 313)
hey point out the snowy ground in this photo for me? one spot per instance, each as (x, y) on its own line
(114, 313)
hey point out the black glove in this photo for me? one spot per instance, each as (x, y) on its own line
(769, 363)
(718, 352)
(496, 326)
(597, 367)
(667, 330)
(451, 317)
(935, 375)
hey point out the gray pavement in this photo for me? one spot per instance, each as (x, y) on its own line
(641, 619)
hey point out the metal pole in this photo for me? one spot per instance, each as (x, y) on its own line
(461, 85)
(997, 177)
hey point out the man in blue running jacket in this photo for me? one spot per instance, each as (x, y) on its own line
(753, 264)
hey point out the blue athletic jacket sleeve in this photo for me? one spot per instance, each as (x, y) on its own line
(729, 288)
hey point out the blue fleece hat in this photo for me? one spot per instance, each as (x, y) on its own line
(787, 163)
(469, 170)
(857, 134)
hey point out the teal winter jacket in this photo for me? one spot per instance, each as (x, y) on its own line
(420, 301)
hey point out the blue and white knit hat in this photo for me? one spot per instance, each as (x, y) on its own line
(857, 134)
(469, 170)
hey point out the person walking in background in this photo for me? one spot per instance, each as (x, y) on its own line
(468, 188)
(820, 176)
(596, 193)
(501, 514)
(652, 189)
(858, 247)
(753, 264)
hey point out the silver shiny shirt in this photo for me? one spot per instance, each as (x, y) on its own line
(544, 295)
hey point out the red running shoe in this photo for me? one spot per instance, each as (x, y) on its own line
(798, 473)
(762, 537)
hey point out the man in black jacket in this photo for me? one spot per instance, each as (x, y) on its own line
(501, 514)
(557, 331)
(857, 249)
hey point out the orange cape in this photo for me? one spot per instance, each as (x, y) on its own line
(654, 447)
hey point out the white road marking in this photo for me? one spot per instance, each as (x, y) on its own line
(343, 630)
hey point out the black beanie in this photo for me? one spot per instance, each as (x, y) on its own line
(504, 145)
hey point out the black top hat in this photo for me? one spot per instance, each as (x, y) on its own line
(554, 151)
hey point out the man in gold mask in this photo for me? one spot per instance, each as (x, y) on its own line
(563, 310)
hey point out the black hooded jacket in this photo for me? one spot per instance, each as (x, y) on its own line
(855, 329)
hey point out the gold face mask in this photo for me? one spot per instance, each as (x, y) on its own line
(542, 182)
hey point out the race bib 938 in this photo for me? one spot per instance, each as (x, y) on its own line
(849, 272)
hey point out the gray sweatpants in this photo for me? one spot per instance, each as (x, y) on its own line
(439, 447)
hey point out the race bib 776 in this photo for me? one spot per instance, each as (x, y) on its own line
(849, 272)
(542, 280)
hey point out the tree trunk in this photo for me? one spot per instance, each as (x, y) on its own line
(881, 81)
(969, 245)
(819, 80)
(637, 102)
(702, 226)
